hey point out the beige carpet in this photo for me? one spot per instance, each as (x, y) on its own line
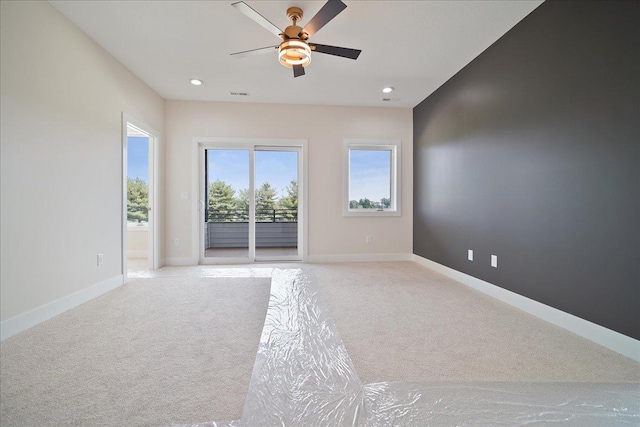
(153, 352)
(403, 322)
(178, 345)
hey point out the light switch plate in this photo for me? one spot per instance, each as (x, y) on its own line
(470, 255)
(494, 261)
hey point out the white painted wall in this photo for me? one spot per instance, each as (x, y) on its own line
(325, 127)
(62, 99)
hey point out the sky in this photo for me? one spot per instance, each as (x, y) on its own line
(278, 168)
(138, 158)
(370, 172)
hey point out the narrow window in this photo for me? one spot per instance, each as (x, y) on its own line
(371, 178)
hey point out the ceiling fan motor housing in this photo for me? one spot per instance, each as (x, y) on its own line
(293, 32)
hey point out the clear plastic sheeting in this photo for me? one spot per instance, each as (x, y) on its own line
(502, 404)
(303, 376)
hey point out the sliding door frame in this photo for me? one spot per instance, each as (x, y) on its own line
(200, 144)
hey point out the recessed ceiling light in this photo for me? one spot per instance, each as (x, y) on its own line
(387, 89)
(196, 82)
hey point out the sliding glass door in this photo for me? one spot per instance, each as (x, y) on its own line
(276, 194)
(250, 202)
(226, 207)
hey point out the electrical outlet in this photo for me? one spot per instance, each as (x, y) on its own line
(176, 242)
(494, 261)
(100, 259)
(470, 255)
(369, 239)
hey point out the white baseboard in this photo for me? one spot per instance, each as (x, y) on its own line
(31, 318)
(179, 261)
(359, 258)
(143, 253)
(310, 259)
(612, 340)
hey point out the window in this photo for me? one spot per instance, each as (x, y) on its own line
(371, 178)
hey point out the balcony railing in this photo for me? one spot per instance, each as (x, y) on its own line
(275, 228)
(262, 215)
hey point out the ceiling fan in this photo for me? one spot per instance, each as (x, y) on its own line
(295, 51)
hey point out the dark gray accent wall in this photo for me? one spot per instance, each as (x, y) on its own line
(532, 153)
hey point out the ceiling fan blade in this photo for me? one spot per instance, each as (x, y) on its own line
(329, 11)
(298, 70)
(344, 52)
(261, 20)
(252, 52)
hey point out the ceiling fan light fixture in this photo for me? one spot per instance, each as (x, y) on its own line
(294, 52)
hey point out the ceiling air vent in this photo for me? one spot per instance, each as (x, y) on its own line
(239, 93)
(390, 99)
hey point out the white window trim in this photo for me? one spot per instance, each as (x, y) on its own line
(394, 146)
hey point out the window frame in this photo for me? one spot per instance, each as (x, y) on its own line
(395, 183)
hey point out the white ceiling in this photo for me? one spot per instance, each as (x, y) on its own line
(414, 46)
